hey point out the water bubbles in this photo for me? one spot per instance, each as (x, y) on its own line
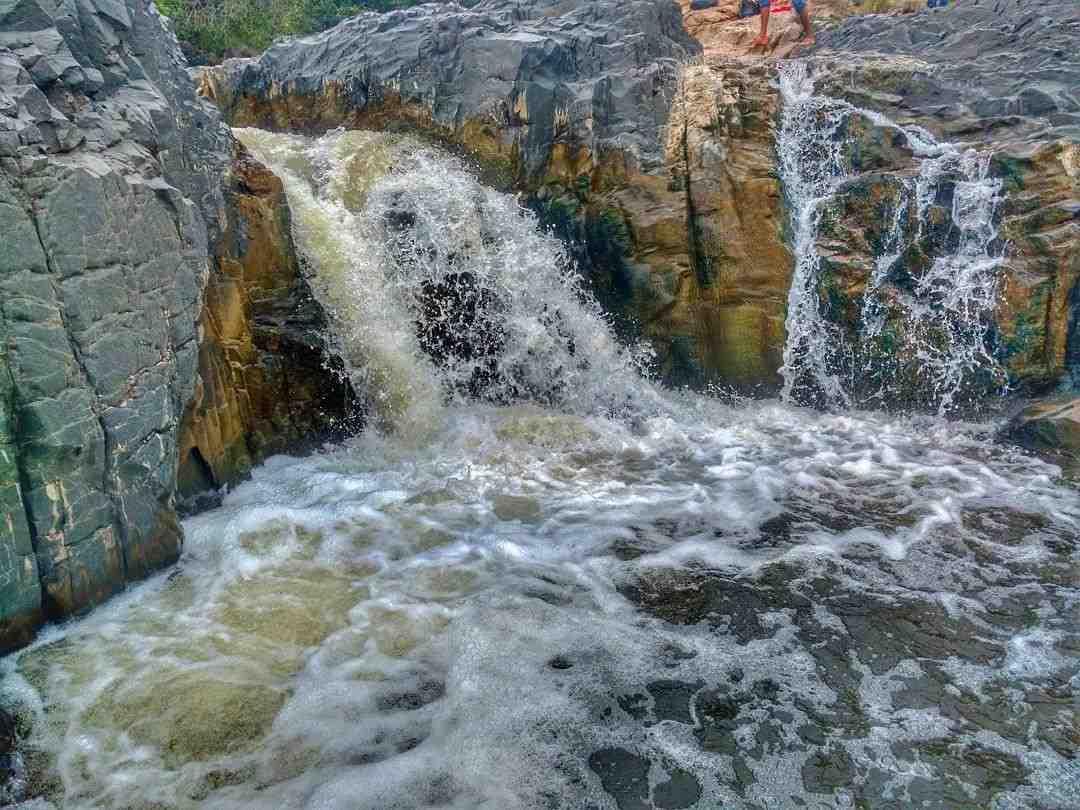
(533, 605)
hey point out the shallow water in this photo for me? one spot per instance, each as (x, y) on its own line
(755, 607)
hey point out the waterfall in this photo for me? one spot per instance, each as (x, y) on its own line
(441, 288)
(811, 168)
(943, 343)
(512, 598)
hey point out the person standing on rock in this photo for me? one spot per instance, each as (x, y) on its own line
(801, 8)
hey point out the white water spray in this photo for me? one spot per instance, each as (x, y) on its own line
(543, 607)
(946, 312)
(440, 287)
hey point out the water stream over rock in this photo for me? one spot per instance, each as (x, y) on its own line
(935, 318)
(540, 582)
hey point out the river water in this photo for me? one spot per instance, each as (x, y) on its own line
(536, 581)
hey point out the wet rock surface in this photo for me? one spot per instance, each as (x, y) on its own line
(112, 203)
(999, 77)
(575, 104)
(889, 687)
(11, 787)
(109, 180)
(268, 380)
(1049, 425)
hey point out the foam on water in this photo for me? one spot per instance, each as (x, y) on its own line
(455, 626)
(569, 590)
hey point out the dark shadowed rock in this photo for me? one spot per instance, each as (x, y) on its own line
(1053, 424)
(8, 738)
(267, 382)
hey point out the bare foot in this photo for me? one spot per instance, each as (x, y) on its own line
(760, 42)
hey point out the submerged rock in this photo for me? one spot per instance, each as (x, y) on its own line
(1052, 424)
(7, 732)
(9, 741)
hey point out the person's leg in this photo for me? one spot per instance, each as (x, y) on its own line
(803, 9)
(763, 38)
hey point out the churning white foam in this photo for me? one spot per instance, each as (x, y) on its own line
(416, 259)
(391, 626)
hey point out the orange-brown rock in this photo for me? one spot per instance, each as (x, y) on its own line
(723, 33)
(1038, 309)
(733, 303)
(661, 176)
(267, 384)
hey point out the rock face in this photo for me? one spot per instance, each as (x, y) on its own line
(110, 197)
(1053, 424)
(663, 175)
(109, 171)
(724, 322)
(993, 77)
(663, 183)
(661, 178)
(267, 381)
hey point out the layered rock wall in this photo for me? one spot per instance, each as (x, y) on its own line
(109, 170)
(268, 382)
(660, 168)
(999, 77)
(662, 179)
(111, 197)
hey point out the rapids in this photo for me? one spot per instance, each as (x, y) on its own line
(537, 581)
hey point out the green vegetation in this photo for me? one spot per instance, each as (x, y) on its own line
(210, 30)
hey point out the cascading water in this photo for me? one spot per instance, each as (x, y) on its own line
(508, 596)
(811, 167)
(946, 309)
(441, 287)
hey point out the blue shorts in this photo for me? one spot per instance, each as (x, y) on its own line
(798, 5)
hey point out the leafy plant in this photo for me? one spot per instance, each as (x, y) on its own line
(210, 30)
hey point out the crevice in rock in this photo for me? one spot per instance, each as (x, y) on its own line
(20, 463)
(1072, 340)
(698, 260)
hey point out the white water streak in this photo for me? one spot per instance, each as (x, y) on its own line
(947, 313)
(410, 251)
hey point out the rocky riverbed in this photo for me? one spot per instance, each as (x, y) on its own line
(564, 560)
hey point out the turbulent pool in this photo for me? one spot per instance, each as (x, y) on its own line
(538, 582)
